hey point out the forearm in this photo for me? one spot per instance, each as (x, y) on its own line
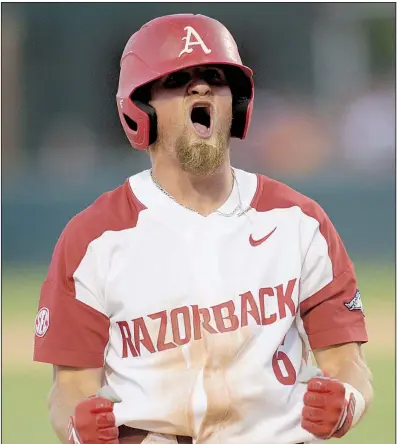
(62, 402)
(358, 375)
(348, 366)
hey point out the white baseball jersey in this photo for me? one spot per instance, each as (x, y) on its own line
(203, 324)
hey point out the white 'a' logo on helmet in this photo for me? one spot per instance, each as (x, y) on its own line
(189, 43)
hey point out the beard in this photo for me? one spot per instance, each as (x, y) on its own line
(203, 158)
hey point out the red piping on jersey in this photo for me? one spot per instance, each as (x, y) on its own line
(135, 201)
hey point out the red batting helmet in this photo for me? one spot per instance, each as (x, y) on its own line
(168, 44)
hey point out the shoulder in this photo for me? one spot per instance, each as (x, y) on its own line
(271, 194)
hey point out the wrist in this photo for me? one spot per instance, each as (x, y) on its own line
(359, 406)
(354, 409)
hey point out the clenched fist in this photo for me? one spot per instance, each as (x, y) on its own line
(327, 413)
(93, 422)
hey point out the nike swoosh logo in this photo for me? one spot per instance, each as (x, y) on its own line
(256, 243)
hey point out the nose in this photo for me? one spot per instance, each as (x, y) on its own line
(199, 87)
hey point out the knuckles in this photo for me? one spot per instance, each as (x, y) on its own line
(94, 405)
(312, 399)
(105, 419)
(326, 385)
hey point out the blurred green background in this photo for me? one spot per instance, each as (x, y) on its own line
(323, 122)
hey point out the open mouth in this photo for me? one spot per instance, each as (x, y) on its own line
(201, 119)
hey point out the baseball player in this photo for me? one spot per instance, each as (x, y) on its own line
(183, 305)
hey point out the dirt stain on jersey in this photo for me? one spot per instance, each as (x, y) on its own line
(181, 368)
(221, 351)
(177, 385)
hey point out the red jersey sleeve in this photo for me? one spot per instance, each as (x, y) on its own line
(330, 303)
(72, 328)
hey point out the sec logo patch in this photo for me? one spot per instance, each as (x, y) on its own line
(42, 322)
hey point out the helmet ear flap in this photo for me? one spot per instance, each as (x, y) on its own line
(241, 90)
(239, 115)
(153, 120)
(141, 98)
(139, 121)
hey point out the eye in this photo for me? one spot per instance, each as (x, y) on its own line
(177, 79)
(213, 77)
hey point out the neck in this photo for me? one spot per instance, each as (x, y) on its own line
(202, 193)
